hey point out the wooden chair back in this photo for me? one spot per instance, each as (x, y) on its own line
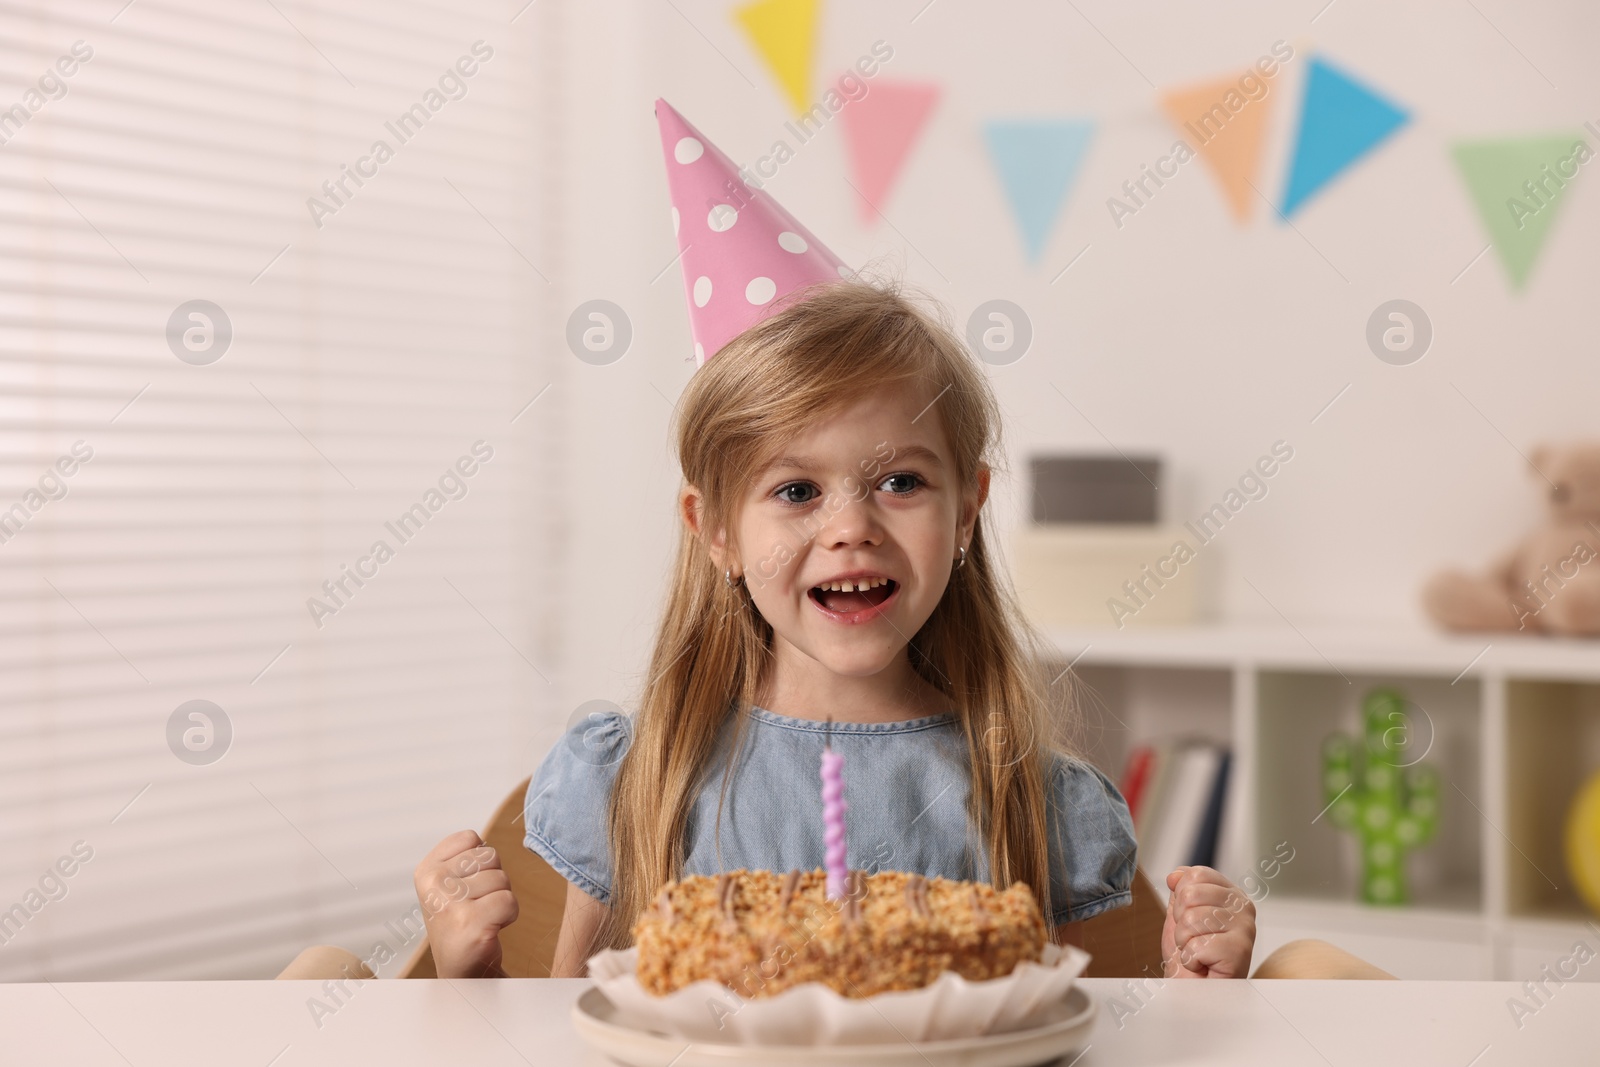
(1126, 942)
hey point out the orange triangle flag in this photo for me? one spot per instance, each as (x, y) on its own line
(1226, 127)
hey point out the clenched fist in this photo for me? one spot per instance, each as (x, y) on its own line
(1211, 926)
(466, 901)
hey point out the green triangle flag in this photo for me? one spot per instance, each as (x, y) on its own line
(1518, 185)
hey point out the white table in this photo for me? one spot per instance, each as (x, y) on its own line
(520, 1022)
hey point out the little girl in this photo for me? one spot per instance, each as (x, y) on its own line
(845, 440)
(834, 584)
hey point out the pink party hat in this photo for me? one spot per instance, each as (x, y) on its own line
(740, 249)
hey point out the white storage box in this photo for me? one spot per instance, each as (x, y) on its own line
(1110, 574)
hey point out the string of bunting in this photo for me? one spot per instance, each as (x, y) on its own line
(1517, 183)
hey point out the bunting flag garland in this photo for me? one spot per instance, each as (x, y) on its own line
(1227, 128)
(1518, 185)
(880, 130)
(1341, 120)
(1037, 160)
(784, 34)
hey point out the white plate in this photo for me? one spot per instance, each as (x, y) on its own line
(1064, 1032)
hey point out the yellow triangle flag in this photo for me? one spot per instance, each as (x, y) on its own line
(784, 32)
(1226, 126)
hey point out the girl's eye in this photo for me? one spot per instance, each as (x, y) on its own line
(916, 481)
(784, 497)
(909, 484)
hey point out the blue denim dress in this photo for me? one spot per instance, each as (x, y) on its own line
(906, 786)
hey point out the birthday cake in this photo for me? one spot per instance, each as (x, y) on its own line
(761, 932)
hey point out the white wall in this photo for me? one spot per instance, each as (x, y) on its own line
(1181, 332)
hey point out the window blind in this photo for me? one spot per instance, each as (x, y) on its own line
(241, 348)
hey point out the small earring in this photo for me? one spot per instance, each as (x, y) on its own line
(727, 576)
(963, 561)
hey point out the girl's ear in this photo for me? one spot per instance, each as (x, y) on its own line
(971, 502)
(691, 501)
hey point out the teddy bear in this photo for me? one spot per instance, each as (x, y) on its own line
(1550, 582)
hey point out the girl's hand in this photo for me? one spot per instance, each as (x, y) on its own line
(1210, 928)
(466, 900)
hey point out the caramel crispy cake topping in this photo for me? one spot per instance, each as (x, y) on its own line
(761, 932)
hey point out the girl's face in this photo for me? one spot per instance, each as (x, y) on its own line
(869, 495)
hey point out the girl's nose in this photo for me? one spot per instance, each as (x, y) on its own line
(854, 519)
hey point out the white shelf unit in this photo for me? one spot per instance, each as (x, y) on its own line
(1512, 722)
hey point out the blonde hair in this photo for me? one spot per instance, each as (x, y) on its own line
(830, 345)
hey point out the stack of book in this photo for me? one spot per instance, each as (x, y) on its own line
(1177, 791)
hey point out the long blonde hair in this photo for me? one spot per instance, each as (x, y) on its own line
(830, 345)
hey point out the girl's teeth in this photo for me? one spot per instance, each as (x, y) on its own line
(859, 586)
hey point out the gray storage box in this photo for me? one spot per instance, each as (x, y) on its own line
(1096, 488)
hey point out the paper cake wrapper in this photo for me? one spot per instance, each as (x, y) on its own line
(813, 1014)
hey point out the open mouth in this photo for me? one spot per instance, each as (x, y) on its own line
(854, 601)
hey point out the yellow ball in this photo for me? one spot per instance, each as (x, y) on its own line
(1583, 841)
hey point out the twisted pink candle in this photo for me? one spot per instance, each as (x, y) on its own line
(833, 822)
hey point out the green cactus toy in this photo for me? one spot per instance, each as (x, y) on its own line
(1389, 805)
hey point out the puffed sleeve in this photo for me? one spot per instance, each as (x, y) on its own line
(568, 797)
(1092, 849)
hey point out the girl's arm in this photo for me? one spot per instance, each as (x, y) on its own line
(580, 921)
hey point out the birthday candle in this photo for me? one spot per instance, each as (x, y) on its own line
(833, 821)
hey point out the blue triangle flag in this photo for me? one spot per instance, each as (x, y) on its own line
(1037, 160)
(1341, 120)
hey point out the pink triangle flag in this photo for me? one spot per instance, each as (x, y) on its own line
(880, 130)
(739, 249)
